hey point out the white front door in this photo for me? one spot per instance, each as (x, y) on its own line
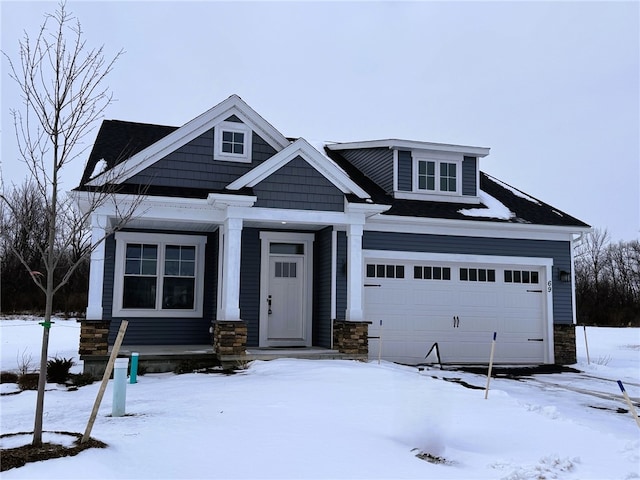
(285, 322)
(285, 289)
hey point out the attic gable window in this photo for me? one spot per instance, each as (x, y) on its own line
(232, 142)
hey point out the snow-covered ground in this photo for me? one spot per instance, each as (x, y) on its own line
(337, 419)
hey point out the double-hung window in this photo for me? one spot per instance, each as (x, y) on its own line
(232, 142)
(437, 176)
(158, 275)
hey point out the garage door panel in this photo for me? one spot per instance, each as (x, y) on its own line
(459, 314)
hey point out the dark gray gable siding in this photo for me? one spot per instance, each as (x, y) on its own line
(299, 186)
(405, 171)
(559, 251)
(192, 166)
(469, 176)
(375, 163)
(250, 284)
(322, 288)
(164, 331)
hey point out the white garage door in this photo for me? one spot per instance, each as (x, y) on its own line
(459, 306)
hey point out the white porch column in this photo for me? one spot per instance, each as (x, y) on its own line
(229, 303)
(96, 269)
(354, 273)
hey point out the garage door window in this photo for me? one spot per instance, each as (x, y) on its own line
(385, 271)
(521, 276)
(477, 275)
(421, 272)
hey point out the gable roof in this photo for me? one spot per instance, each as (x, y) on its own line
(324, 165)
(155, 151)
(118, 140)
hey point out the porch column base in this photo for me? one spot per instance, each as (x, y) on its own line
(229, 338)
(351, 337)
(564, 344)
(94, 337)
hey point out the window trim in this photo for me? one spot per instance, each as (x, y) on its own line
(234, 127)
(161, 240)
(438, 176)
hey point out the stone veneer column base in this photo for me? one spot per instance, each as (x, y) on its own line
(229, 338)
(564, 342)
(94, 337)
(351, 337)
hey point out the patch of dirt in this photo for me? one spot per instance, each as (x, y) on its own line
(428, 457)
(516, 372)
(20, 456)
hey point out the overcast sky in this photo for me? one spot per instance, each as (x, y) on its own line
(551, 87)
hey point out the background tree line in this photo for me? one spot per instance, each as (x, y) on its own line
(27, 228)
(607, 274)
(607, 281)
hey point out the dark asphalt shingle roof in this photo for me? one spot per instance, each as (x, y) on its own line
(118, 140)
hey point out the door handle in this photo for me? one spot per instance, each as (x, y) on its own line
(456, 321)
(269, 304)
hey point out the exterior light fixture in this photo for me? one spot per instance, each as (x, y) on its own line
(564, 276)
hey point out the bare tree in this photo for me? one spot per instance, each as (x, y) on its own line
(61, 82)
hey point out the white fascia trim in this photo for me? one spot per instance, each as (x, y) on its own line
(233, 105)
(470, 228)
(412, 145)
(368, 209)
(437, 197)
(173, 209)
(456, 258)
(304, 149)
(223, 200)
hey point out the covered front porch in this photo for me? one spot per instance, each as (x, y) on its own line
(185, 358)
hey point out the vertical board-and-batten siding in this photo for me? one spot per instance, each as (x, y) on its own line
(375, 163)
(322, 288)
(341, 276)
(297, 185)
(193, 165)
(470, 176)
(250, 284)
(164, 330)
(405, 171)
(559, 251)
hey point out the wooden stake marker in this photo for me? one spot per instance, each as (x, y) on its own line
(629, 402)
(105, 380)
(493, 349)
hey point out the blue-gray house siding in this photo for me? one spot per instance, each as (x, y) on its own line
(375, 163)
(559, 251)
(297, 185)
(193, 166)
(164, 331)
(469, 176)
(405, 171)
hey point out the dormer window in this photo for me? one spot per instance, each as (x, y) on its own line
(437, 176)
(233, 142)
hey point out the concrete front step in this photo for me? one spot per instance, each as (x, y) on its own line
(168, 358)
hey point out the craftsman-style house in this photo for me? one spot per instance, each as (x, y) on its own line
(246, 240)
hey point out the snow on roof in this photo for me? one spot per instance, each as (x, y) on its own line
(494, 208)
(515, 191)
(100, 167)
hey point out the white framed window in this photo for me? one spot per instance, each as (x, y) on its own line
(232, 142)
(158, 275)
(436, 176)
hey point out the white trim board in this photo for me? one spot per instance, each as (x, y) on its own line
(233, 105)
